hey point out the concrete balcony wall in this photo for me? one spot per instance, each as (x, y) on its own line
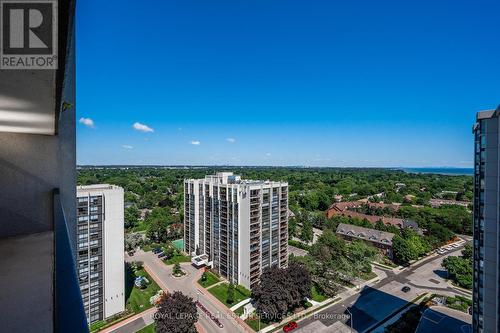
(32, 165)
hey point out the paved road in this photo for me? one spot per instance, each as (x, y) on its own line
(187, 285)
(378, 301)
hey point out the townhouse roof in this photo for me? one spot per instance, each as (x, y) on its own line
(372, 235)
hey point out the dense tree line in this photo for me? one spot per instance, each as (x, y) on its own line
(312, 189)
(334, 262)
(311, 192)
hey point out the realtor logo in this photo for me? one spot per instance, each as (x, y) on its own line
(28, 34)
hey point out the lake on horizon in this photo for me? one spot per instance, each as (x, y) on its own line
(442, 171)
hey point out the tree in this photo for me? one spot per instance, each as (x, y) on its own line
(403, 251)
(410, 246)
(158, 224)
(467, 252)
(271, 299)
(230, 294)
(132, 241)
(306, 233)
(281, 290)
(299, 284)
(169, 252)
(292, 227)
(131, 217)
(361, 254)
(459, 270)
(176, 314)
(177, 269)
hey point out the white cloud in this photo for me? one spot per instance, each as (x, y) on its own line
(195, 142)
(127, 147)
(87, 122)
(268, 154)
(142, 128)
(231, 140)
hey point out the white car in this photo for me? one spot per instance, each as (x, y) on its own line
(441, 251)
(456, 246)
(449, 248)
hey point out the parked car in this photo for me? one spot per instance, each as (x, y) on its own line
(156, 250)
(290, 326)
(130, 253)
(405, 289)
(456, 246)
(449, 248)
(161, 255)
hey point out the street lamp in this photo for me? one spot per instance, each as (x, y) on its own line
(350, 314)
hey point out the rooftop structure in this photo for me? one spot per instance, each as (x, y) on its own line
(440, 319)
(371, 235)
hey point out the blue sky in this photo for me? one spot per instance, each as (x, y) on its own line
(316, 83)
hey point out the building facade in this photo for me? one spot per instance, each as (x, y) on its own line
(241, 226)
(486, 217)
(100, 256)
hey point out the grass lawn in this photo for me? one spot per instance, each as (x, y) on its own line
(178, 258)
(254, 324)
(316, 296)
(211, 279)
(239, 311)
(368, 276)
(149, 247)
(148, 329)
(385, 261)
(137, 300)
(220, 291)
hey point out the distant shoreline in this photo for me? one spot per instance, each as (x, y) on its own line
(448, 171)
(441, 171)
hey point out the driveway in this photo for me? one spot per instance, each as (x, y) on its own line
(162, 274)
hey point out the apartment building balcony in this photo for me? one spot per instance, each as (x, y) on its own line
(255, 262)
(255, 274)
(254, 222)
(254, 254)
(40, 282)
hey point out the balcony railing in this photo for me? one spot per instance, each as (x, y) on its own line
(68, 304)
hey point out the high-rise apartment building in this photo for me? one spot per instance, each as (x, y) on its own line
(100, 256)
(486, 286)
(241, 226)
